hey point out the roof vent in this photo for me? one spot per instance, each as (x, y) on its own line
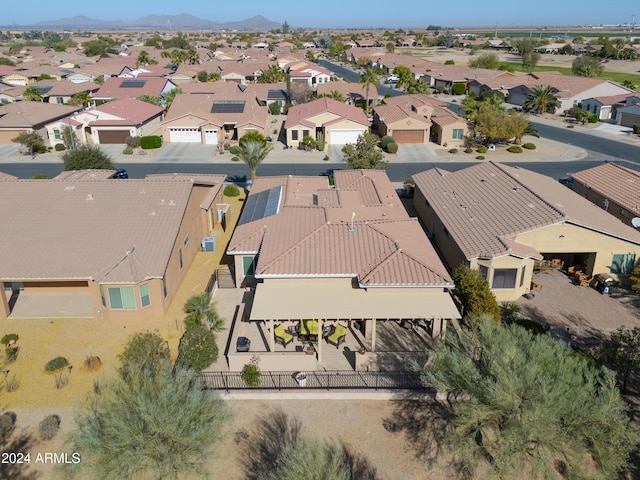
(90, 197)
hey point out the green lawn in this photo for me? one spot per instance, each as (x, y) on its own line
(617, 77)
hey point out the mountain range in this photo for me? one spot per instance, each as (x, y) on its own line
(157, 22)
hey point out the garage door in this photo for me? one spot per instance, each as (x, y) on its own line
(629, 120)
(340, 137)
(185, 135)
(408, 136)
(211, 136)
(113, 136)
(7, 135)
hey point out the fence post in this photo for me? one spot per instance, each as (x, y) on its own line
(377, 374)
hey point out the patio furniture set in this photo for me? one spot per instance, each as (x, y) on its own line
(307, 331)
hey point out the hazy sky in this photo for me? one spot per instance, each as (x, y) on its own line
(340, 13)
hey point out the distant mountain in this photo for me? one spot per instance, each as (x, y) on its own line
(158, 22)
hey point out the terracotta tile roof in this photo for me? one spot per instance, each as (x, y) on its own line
(397, 113)
(299, 114)
(87, 174)
(311, 235)
(128, 109)
(485, 206)
(613, 181)
(113, 87)
(110, 218)
(614, 99)
(405, 105)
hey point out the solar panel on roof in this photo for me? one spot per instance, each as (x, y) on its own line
(228, 106)
(133, 83)
(261, 205)
(276, 95)
(43, 89)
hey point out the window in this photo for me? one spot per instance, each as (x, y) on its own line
(122, 298)
(180, 259)
(624, 213)
(522, 274)
(484, 271)
(59, 100)
(248, 265)
(623, 264)
(457, 134)
(104, 300)
(504, 278)
(186, 240)
(145, 298)
(56, 134)
(305, 133)
(294, 134)
(164, 287)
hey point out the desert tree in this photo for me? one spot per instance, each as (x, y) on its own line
(473, 291)
(364, 153)
(584, 66)
(87, 156)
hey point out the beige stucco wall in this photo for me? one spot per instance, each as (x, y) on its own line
(567, 238)
(444, 133)
(273, 361)
(523, 282)
(598, 199)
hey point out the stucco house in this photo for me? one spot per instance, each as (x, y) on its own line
(115, 87)
(353, 93)
(21, 117)
(347, 254)
(607, 108)
(338, 122)
(120, 256)
(502, 219)
(213, 118)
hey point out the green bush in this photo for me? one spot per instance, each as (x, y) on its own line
(449, 62)
(593, 118)
(227, 146)
(636, 128)
(198, 348)
(308, 143)
(251, 373)
(531, 325)
(392, 147)
(386, 140)
(325, 158)
(458, 88)
(59, 147)
(570, 126)
(453, 150)
(514, 149)
(468, 150)
(480, 157)
(231, 190)
(49, 427)
(9, 337)
(529, 146)
(56, 364)
(274, 108)
(41, 176)
(482, 149)
(150, 142)
(127, 150)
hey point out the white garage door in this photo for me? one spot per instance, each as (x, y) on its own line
(185, 135)
(340, 137)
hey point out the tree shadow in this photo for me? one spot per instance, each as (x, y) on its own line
(426, 424)
(17, 442)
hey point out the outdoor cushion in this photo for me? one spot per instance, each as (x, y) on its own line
(308, 327)
(282, 336)
(338, 335)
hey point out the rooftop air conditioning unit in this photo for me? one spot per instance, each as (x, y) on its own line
(208, 244)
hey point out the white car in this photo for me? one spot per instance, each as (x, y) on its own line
(392, 79)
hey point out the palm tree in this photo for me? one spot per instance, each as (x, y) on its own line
(214, 76)
(368, 78)
(201, 310)
(542, 99)
(31, 94)
(143, 59)
(81, 98)
(252, 150)
(334, 95)
(405, 77)
(629, 84)
(273, 74)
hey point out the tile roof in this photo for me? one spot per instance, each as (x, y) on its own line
(485, 206)
(113, 87)
(110, 218)
(347, 89)
(130, 110)
(613, 181)
(311, 235)
(300, 113)
(31, 114)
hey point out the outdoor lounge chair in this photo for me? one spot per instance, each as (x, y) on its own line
(338, 336)
(282, 337)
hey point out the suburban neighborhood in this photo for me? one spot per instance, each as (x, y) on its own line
(256, 251)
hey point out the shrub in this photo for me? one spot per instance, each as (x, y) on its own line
(49, 427)
(514, 149)
(453, 150)
(127, 150)
(227, 146)
(11, 353)
(392, 147)
(59, 147)
(570, 126)
(480, 157)
(529, 146)
(636, 128)
(56, 364)
(133, 142)
(593, 118)
(482, 149)
(41, 176)
(231, 190)
(449, 62)
(458, 88)
(198, 348)
(468, 150)
(308, 143)
(91, 364)
(251, 373)
(386, 140)
(531, 325)
(325, 158)
(274, 108)
(7, 424)
(9, 337)
(150, 142)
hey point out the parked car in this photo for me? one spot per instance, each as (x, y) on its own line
(392, 79)
(120, 173)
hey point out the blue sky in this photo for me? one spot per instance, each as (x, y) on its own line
(341, 13)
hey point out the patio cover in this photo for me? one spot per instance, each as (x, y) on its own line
(303, 299)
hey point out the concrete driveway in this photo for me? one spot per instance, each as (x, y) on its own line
(168, 153)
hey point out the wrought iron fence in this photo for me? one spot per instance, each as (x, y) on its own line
(326, 380)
